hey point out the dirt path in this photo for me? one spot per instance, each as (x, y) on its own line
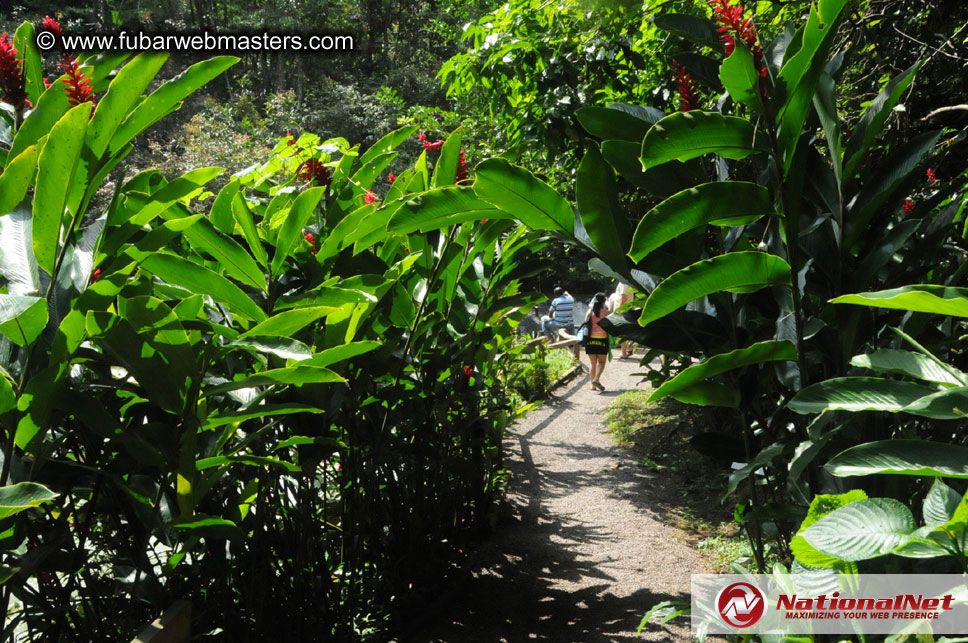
(584, 553)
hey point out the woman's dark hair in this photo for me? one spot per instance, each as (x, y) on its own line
(599, 303)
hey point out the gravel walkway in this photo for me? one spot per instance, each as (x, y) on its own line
(584, 553)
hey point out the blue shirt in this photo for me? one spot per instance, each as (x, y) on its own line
(561, 310)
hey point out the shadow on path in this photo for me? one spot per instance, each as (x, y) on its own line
(579, 555)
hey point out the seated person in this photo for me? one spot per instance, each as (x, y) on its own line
(560, 315)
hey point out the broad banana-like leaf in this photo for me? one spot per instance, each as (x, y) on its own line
(688, 135)
(740, 272)
(681, 386)
(598, 205)
(902, 457)
(516, 191)
(725, 203)
(740, 77)
(15, 179)
(921, 298)
(858, 394)
(613, 124)
(22, 496)
(443, 208)
(909, 363)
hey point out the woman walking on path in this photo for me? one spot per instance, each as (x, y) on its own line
(597, 346)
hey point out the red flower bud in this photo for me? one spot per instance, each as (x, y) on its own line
(908, 207)
(392, 177)
(932, 177)
(12, 81)
(468, 371)
(369, 198)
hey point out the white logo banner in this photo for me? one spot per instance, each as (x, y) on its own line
(829, 603)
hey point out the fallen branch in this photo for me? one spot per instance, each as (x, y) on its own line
(949, 108)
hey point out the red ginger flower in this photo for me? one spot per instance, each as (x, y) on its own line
(461, 168)
(311, 240)
(369, 197)
(290, 139)
(688, 96)
(12, 81)
(79, 88)
(436, 145)
(932, 177)
(734, 26)
(96, 275)
(392, 177)
(313, 171)
(908, 207)
(468, 371)
(49, 24)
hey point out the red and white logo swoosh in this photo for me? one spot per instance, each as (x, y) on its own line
(741, 604)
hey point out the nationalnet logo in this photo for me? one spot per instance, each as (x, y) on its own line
(829, 603)
(741, 604)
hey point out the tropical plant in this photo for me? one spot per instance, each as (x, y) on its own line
(736, 270)
(204, 394)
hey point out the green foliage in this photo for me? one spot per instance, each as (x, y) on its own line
(265, 388)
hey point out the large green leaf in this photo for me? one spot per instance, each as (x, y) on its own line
(22, 318)
(287, 323)
(740, 78)
(940, 504)
(237, 263)
(184, 187)
(221, 212)
(603, 218)
(123, 93)
(902, 457)
(863, 529)
(342, 352)
(530, 200)
(821, 506)
(688, 135)
(796, 83)
(198, 279)
(445, 170)
(720, 203)
(21, 496)
(256, 412)
(608, 123)
(907, 363)
(291, 231)
(295, 375)
(15, 179)
(25, 40)
(939, 300)
(46, 112)
(442, 208)
(388, 143)
(243, 216)
(18, 266)
(167, 98)
(858, 394)
(733, 272)
(872, 120)
(661, 181)
(56, 166)
(681, 386)
(951, 404)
